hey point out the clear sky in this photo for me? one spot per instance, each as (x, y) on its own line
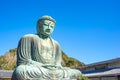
(88, 30)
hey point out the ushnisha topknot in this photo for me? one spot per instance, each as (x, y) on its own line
(46, 17)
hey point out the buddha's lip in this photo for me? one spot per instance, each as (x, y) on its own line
(48, 30)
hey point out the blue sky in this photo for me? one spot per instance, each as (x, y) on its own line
(88, 30)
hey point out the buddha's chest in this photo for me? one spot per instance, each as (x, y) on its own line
(46, 51)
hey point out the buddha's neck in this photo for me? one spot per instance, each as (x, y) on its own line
(43, 36)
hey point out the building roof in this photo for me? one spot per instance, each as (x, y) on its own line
(104, 62)
(103, 72)
(100, 63)
(5, 74)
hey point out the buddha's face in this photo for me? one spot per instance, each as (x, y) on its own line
(46, 27)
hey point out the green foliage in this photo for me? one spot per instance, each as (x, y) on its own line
(84, 78)
(70, 62)
(8, 61)
(13, 50)
(2, 62)
(81, 77)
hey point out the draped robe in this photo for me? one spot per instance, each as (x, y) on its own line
(40, 60)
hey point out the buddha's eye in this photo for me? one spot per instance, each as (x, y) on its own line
(45, 24)
(52, 26)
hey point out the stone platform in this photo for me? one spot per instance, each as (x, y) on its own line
(6, 74)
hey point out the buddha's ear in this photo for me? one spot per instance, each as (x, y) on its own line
(39, 26)
(39, 23)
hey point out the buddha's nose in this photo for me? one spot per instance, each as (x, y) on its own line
(49, 27)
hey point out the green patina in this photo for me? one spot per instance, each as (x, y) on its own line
(39, 56)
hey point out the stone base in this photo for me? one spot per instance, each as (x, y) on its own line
(50, 79)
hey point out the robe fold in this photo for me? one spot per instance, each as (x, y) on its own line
(39, 60)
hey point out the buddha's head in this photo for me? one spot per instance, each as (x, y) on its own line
(45, 26)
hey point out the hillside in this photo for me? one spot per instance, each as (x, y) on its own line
(8, 61)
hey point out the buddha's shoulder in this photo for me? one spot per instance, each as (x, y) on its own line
(30, 36)
(56, 42)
